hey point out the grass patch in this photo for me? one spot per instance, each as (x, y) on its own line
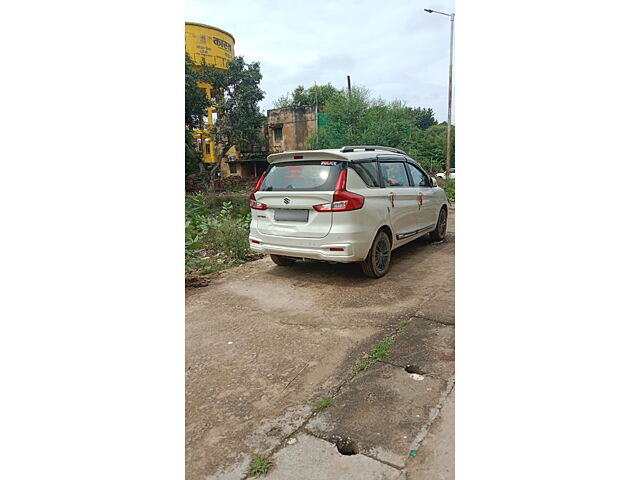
(322, 404)
(362, 365)
(259, 466)
(378, 353)
(381, 350)
(403, 323)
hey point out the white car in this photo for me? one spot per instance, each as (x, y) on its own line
(452, 174)
(355, 204)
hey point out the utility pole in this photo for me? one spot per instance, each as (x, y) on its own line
(317, 121)
(316, 89)
(349, 97)
(452, 17)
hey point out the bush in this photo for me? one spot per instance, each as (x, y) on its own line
(197, 226)
(214, 241)
(449, 186)
(230, 235)
(240, 202)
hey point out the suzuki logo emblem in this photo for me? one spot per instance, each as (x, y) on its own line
(286, 200)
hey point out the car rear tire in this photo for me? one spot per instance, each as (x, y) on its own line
(441, 227)
(377, 263)
(283, 261)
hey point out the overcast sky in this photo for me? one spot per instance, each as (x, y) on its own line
(393, 48)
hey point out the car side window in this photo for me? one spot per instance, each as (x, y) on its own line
(419, 179)
(394, 174)
(368, 172)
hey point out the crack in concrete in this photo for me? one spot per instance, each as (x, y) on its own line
(328, 326)
(296, 376)
(421, 316)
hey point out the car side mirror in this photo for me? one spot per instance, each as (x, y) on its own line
(434, 181)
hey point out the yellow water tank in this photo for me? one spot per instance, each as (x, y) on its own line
(209, 44)
(213, 47)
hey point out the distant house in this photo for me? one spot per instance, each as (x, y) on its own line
(285, 129)
(289, 128)
(246, 160)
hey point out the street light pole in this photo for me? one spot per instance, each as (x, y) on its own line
(452, 17)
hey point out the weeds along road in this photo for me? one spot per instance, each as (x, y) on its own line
(265, 343)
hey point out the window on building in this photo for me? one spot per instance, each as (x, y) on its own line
(233, 167)
(277, 134)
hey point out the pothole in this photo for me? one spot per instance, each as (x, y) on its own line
(346, 446)
(413, 369)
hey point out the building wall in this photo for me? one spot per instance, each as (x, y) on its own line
(296, 124)
(237, 164)
(225, 169)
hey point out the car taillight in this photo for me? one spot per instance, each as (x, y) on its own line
(253, 203)
(343, 200)
(256, 205)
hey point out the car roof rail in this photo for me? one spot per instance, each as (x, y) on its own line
(370, 148)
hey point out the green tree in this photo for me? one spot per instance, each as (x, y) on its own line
(347, 111)
(389, 124)
(355, 118)
(195, 106)
(304, 97)
(424, 118)
(236, 93)
(195, 99)
(429, 147)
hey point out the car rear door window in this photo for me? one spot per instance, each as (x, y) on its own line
(305, 176)
(368, 172)
(394, 174)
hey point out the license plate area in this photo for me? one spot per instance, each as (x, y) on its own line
(290, 215)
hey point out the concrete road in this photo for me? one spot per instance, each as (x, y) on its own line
(265, 343)
(436, 461)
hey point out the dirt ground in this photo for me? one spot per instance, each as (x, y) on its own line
(265, 343)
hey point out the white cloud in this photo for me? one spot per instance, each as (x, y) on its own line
(395, 49)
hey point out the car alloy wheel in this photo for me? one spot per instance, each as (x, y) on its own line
(382, 254)
(442, 223)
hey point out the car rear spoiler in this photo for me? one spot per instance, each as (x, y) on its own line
(305, 155)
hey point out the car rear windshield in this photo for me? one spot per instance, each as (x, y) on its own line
(308, 176)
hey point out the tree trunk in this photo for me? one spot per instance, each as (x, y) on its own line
(212, 178)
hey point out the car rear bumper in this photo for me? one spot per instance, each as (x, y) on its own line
(317, 249)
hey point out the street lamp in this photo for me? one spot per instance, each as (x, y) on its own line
(452, 16)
